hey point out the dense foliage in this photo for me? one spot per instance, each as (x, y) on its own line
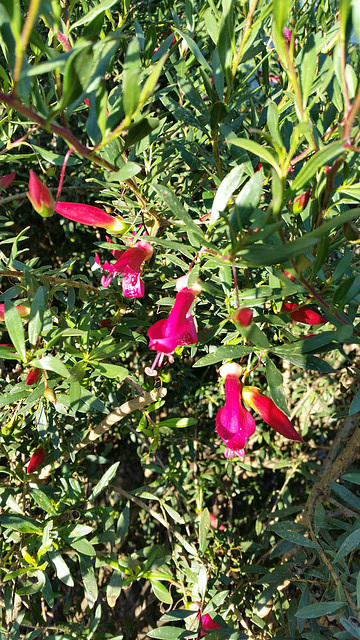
(180, 181)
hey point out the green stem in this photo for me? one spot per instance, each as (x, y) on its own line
(245, 35)
(24, 39)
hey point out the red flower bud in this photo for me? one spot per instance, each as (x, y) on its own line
(33, 376)
(243, 316)
(36, 460)
(40, 196)
(301, 201)
(6, 180)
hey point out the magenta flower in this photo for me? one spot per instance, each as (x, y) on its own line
(287, 35)
(176, 331)
(128, 263)
(93, 216)
(234, 423)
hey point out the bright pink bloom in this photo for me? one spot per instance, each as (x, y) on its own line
(302, 314)
(129, 263)
(33, 376)
(40, 196)
(270, 413)
(93, 216)
(176, 331)
(214, 523)
(243, 316)
(22, 309)
(207, 624)
(234, 423)
(36, 460)
(6, 180)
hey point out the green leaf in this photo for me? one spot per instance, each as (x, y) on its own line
(103, 483)
(84, 547)
(15, 329)
(113, 589)
(256, 149)
(319, 609)
(306, 64)
(36, 316)
(350, 499)
(43, 500)
(77, 74)
(161, 592)
(61, 568)
(275, 381)
(171, 633)
(52, 363)
(131, 73)
(349, 544)
(123, 522)
(174, 514)
(20, 523)
(264, 254)
(273, 123)
(355, 404)
(296, 538)
(171, 201)
(111, 370)
(204, 528)
(176, 614)
(89, 580)
(103, 6)
(225, 352)
(319, 159)
(227, 187)
(194, 49)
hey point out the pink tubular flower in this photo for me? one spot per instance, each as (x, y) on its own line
(270, 413)
(129, 263)
(234, 423)
(33, 376)
(93, 216)
(36, 460)
(6, 180)
(22, 309)
(40, 196)
(302, 314)
(243, 316)
(176, 331)
(214, 523)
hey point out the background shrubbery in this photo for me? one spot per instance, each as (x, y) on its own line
(226, 135)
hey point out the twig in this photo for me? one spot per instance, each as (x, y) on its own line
(121, 412)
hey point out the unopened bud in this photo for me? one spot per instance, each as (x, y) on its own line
(36, 460)
(50, 394)
(243, 316)
(301, 201)
(40, 196)
(33, 376)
